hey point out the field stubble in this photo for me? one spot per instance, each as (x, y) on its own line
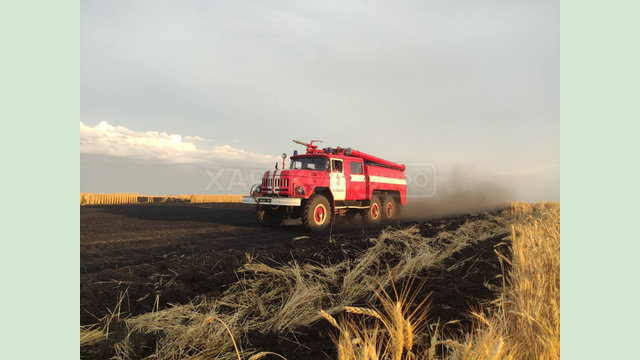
(299, 301)
(522, 323)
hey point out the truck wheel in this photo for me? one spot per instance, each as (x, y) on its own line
(389, 209)
(373, 215)
(269, 217)
(316, 214)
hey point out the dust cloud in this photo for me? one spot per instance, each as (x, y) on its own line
(461, 191)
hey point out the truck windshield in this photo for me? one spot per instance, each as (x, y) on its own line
(310, 163)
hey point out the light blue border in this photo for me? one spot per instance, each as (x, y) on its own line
(600, 102)
(39, 112)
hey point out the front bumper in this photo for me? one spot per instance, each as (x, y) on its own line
(275, 201)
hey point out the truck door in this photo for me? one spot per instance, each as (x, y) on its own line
(357, 183)
(337, 182)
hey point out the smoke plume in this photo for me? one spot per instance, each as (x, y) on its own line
(461, 191)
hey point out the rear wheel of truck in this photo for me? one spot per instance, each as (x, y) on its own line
(373, 215)
(269, 217)
(389, 209)
(316, 214)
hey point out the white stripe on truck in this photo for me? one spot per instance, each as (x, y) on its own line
(359, 178)
(387, 180)
(273, 182)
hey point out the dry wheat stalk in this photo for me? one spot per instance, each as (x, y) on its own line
(329, 318)
(265, 353)
(363, 311)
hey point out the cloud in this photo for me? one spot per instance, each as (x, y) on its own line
(107, 139)
(194, 138)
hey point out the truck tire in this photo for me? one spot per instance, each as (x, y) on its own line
(269, 217)
(373, 215)
(316, 214)
(389, 208)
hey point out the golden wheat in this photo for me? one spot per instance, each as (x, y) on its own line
(215, 198)
(524, 324)
(330, 319)
(363, 311)
(283, 298)
(133, 198)
(90, 336)
(107, 199)
(265, 353)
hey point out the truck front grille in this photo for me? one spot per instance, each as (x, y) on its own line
(281, 184)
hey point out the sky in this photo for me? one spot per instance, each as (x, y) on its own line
(203, 96)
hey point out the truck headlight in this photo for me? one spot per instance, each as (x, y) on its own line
(259, 188)
(300, 190)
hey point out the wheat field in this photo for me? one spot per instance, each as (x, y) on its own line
(133, 198)
(198, 199)
(107, 199)
(523, 323)
(371, 306)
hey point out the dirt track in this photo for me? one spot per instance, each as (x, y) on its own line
(176, 252)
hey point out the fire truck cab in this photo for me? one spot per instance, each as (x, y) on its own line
(323, 183)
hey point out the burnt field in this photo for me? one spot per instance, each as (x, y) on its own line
(151, 257)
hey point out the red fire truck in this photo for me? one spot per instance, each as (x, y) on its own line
(332, 181)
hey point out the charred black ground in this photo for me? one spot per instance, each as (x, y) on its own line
(174, 253)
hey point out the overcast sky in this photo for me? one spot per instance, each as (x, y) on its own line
(172, 91)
